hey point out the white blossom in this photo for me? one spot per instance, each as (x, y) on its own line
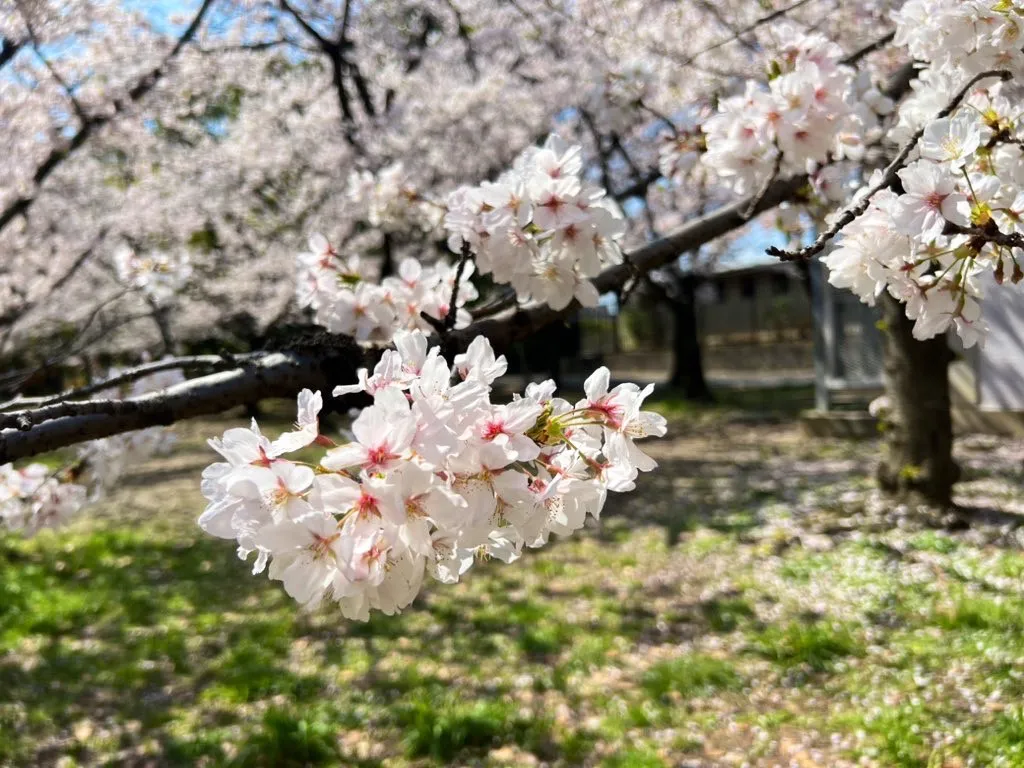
(365, 523)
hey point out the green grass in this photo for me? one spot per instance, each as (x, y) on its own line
(783, 401)
(447, 727)
(689, 676)
(982, 613)
(816, 645)
(634, 758)
(132, 638)
(726, 614)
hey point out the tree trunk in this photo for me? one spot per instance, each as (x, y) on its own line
(687, 364)
(918, 461)
(387, 263)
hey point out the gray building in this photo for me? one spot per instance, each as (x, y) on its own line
(756, 321)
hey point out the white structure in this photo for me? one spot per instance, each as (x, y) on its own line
(988, 381)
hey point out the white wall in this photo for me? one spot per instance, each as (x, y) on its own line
(1000, 363)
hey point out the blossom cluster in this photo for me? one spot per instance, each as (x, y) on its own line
(931, 243)
(34, 497)
(37, 496)
(681, 149)
(958, 40)
(539, 227)
(434, 477)
(390, 202)
(813, 110)
(158, 275)
(346, 300)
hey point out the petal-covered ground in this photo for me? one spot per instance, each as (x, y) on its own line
(755, 602)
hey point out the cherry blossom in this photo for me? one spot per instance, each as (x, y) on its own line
(345, 301)
(540, 227)
(929, 201)
(364, 524)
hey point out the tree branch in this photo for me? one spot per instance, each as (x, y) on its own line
(463, 31)
(279, 374)
(126, 377)
(878, 44)
(11, 316)
(334, 359)
(76, 106)
(284, 374)
(688, 237)
(449, 319)
(327, 46)
(10, 49)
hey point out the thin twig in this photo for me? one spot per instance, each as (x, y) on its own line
(449, 319)
(991, 234)
(737, 34)
(660, 116)
(871, 47)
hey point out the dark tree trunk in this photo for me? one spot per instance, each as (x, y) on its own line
(387, 264)
(687, 363)
(918, 461)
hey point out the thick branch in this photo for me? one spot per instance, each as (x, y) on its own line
(514, 324)
(124, 377)
(279, 374)
(319, 367)
(9, 50)
(327, 46)
(284, 374)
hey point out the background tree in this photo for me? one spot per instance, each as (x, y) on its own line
(169, 192)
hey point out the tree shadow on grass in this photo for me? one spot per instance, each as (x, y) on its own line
(116, 626)
(724, 495)
(122, 626)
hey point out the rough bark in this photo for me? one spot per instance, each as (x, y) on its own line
(319, 361)
(687, 362)
(918, 460)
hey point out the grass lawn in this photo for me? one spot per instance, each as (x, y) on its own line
(753, 603)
